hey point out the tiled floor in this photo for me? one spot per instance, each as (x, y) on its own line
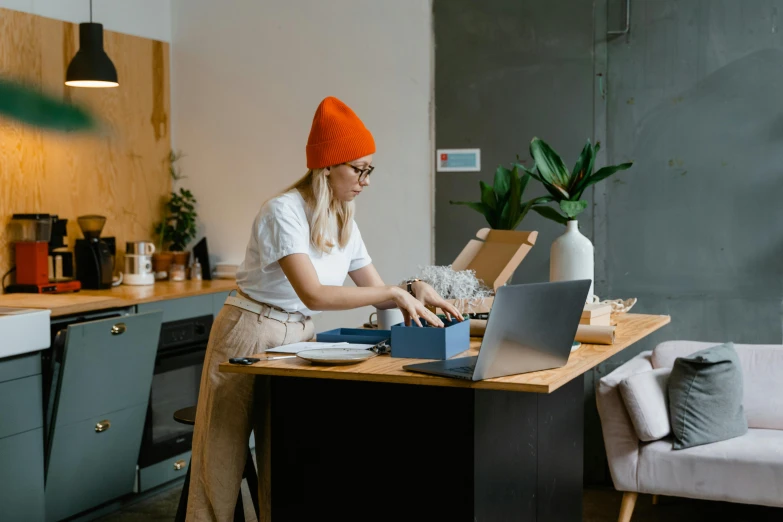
(599, 506)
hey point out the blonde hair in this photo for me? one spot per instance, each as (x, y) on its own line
(327, 214)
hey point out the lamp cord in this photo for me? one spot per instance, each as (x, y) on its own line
(90, 11)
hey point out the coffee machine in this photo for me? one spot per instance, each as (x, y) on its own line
(60, 258)
(94, 254)
(35, 265)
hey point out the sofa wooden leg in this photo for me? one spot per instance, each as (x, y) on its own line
(626, 508)
(655, 500)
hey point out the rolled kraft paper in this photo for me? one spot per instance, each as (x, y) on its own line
(477, 327)
(595, 334)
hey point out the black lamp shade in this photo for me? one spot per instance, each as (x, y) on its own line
(91, 66)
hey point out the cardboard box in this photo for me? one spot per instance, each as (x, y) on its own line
(493, 255)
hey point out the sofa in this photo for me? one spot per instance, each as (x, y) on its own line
(746, 469)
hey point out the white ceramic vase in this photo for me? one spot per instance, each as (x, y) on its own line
(572, 257)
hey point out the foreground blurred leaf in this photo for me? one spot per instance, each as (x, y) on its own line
(26, 104)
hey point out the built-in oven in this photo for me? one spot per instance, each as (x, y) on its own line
(175, 385)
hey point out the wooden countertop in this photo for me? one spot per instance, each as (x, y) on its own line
(116, 297)
(630, 329)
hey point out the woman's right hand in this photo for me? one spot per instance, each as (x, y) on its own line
(413, 309)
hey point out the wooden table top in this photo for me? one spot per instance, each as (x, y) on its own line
(630, 329)
(116, 297)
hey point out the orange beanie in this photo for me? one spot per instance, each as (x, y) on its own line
(337, 136)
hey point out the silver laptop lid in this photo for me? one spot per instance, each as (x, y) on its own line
(531, 327)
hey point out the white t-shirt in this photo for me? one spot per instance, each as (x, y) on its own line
(280, 229)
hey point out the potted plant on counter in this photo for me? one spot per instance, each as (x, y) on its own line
(178, 227)
(571, 255)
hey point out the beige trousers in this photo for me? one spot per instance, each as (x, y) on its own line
(225, 414)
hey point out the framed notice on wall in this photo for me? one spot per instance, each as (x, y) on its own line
(459, 160)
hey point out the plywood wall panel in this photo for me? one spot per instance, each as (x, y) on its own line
(122, 172)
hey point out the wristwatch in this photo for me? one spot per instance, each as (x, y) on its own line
(409, 284)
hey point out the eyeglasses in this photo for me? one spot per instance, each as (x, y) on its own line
(363, 173)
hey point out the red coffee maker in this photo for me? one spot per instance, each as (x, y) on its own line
(32, 233)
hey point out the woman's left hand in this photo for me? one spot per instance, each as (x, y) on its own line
(429, 297)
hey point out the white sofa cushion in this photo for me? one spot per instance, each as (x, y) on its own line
(646, 399)
(746, 469)
(762, 368)
(622, 443)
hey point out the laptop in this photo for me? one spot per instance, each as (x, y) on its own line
(531, 327)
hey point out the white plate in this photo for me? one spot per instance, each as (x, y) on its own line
(575, 346)
(332, 356)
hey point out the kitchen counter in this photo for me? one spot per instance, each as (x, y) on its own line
(116, 297)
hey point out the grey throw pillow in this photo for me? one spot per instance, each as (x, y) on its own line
(705, 397)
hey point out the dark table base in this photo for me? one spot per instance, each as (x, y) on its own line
(367, 451)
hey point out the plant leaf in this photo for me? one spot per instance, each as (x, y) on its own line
(522, 207)
(573, 208)
(550, 165)
(550, 213)
(480, 208)
(602, 174)
(529, 205)
(514, 200)
(524, 178)
(510, 212)
(26, 104)
(488, 196)
(557, 195)
(582, 167)
(502, 183)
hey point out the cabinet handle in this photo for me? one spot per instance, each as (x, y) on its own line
(180, 464)
(103, 426)
(118, 328)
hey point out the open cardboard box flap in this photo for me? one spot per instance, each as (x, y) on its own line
(494, 256)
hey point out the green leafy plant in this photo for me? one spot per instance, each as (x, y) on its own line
(27, 104)
(566, 188)
(501, 204)
(178, 228)
(174, 169)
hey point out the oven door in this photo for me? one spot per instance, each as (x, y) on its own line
(175, 385)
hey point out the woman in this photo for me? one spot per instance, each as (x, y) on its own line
(302, 245)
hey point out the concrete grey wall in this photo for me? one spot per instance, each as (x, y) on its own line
(694, 230)
(692, 96)
(506, 71)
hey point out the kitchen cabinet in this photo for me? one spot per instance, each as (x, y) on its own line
(182, 308)
(93, 461)
(164, 471)
(22, 477)
(20, 405)
(21, 440)
(99, 405)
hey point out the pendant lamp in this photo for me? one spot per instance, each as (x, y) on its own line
(91, 66)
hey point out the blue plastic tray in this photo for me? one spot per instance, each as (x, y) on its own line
(353, 335)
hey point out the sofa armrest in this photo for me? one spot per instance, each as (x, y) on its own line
(620, 439)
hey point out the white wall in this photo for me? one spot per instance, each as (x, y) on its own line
(147, 18)
(246, 79)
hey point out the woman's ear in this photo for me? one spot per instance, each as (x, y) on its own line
(327, 170)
